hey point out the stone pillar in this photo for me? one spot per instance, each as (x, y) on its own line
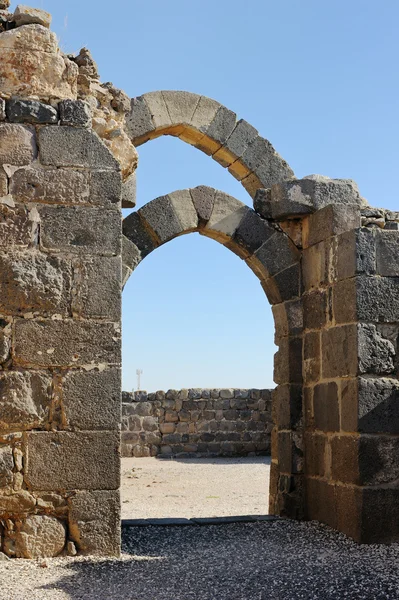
(60, 299)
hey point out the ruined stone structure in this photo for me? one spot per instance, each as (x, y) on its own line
(327, 261)
(196, 422)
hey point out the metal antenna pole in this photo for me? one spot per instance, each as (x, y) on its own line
(139, 373)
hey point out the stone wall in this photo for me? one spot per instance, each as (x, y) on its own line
(196, 422)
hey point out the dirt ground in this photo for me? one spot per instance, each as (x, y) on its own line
(187, 488)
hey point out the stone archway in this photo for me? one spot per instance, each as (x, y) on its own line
(275, 260)
(213, 129)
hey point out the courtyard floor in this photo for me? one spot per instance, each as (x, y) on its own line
(185, 488)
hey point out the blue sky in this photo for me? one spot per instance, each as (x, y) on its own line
(318, 79)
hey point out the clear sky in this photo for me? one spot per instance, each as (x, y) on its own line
(318, 79)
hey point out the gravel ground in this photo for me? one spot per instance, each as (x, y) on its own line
(156, 488)
(259, 561)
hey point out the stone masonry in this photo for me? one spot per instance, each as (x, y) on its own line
(196, 422)
(327, 261)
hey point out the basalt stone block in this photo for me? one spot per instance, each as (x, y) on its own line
(80, 229)
(311, 357)
(91, 400)
(66, 343)
(387, 245)
(315, 309)
(253, 232)
(24, 399)
(277, 253)
(94, 522)
(339, 351)
(380, 516)
(378, 460)
(377, 299)
(30, 111)
(261, 158)
(139, 121)
(131, 256)
(376, 354)
(129, 188)
(106, 188)
(74, 147)
(75, 113)
(377, 406)
(57, 186)
(332, 220)
(315, 463)
(241, 137)
(326, 406)
(18, 226)
(287, 405)
(135, 230)
(222, 125)
(288, 361)
(226, 216)
(161, 217)
(289, 282)
(73, 460)
(17, 144)
(204, 113)
(97, 288)
(33, 282)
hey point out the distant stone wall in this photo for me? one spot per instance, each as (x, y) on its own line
(196, 422)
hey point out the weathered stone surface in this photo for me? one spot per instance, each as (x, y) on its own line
(30, 111)
(58, 186)
(129, 192)
(277, 253)
(203, 198)
(158, 109)
(377, 406)
(326, 407)
(339, 351)
(386, 289)
(161, 218)
(25, 15)
(387, 253)
(66, 343)
(31, 282)
(226, 216)
(18, 226)
(73, 461)
(184, 209)
(253, 231)
(16, 502)
(106, 188)
(94, 522)
(33, 67)
(139, 121)
(332, 220)
(131, 256)
(74, 147)
(222, 125)
(38, 536)
(24, 399)
(97, 288)
(76, 113)
(262, 159)
(6, 466)
(2, 109)
(80, 230)
(17, 144)
(376, 354)
(236, 144)
(181, 105)
(91, 400)
(135, 230)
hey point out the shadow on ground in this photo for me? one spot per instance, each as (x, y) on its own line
(260, 561)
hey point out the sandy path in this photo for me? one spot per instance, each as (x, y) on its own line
(156, 488)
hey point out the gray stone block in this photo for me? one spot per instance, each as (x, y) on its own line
(129, 192)
(253, 232)
(226, 216)
(33, 282)
(377, 410)
(91, 400)
(134, 230)
(376, 354)
(377, 299)
(339, 352)
(326, 407)
(261, 158)
(139, 121)
(105, 188)
(387, 253)
(30, 111)
(131, 255)
(57, 186)
(332, 220)
(203, 198)
(66, 343)
(17, 144)
(24, 399)
(97, 288)
(76, 113)
(222, 125)
(80, 230)
(25, 15)
(277, 253)
(67, 460)
(74, 147)
(94, 522)
(239, 140)
(161, 217)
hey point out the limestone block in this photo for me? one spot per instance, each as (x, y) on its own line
(253, 232)
(158, 109)
(24, 399)
(31, 38)
(129, 192)
(18, 226)
(135, 230)
(180, 105)
(332, 220)
(203, 198)
(17, 502)
(62, 343)
(76, 113)
(80, 230)
(58, 186)
(376, 354)
(30, 111)
(387, 253)
(5, 341)
(38, 536)
(277, 253)
(139, 123)
(94, 522)
(184, 209)
(31, 282)
(160, 216)
(74, 147)
(226, 216)
(25, 15)
(73, 460)
(97, 288)
(91, 400)
(3, 183)
(17, 144)
(6, 466)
